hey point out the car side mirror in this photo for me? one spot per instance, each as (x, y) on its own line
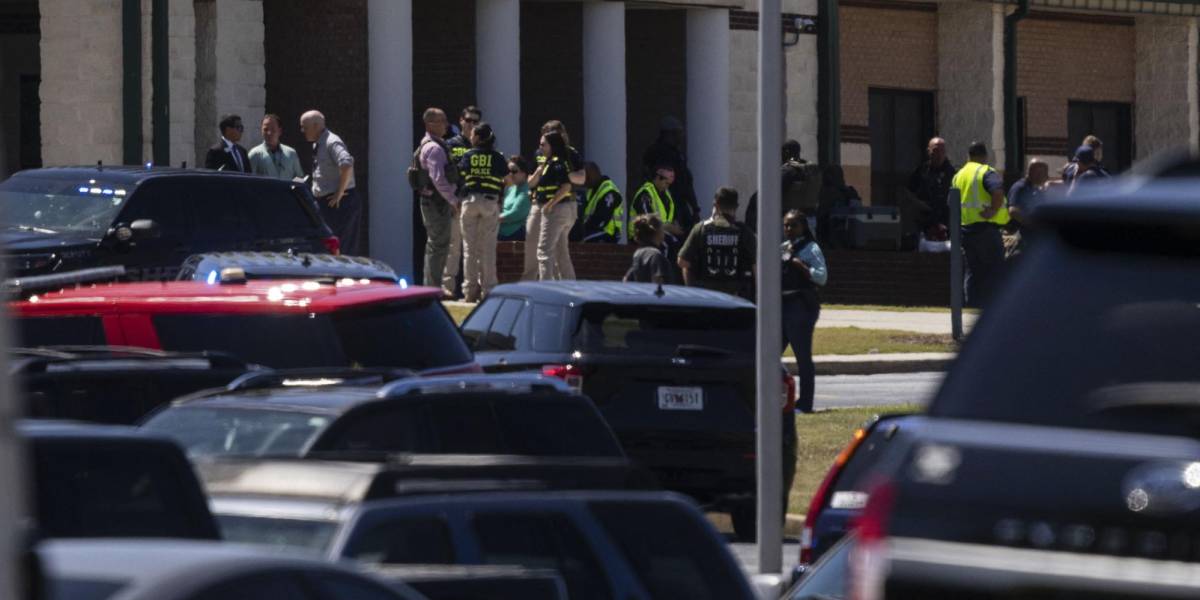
(145, 229)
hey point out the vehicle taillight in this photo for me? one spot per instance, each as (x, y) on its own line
(568, 373)
(869, 558)
(819, 499)
(789, 393)
(332, 244)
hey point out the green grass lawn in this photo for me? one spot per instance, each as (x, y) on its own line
(883, 308)
(459, 312)
(853, 340)
(822, 435)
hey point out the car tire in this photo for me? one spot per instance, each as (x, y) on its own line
(744, 516)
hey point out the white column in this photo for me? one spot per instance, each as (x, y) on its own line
(498, 69)
(708, 50)
(604, 88)
(389, 51)
(971, 78)
(1165, 114)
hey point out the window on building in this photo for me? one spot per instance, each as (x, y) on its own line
(901, 123)
(1109, 121)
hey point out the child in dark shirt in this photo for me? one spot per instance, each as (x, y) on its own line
(649, 263)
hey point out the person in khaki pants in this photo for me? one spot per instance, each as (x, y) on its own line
(483, 171)
(552, 193)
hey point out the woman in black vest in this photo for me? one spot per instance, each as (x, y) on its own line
(803, 271)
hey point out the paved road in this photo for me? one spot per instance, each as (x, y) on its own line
(747, 555)
(842, 391)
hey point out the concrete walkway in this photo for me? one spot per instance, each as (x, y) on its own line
(918, 322)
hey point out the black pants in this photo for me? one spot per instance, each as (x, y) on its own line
(345, 221)
(800, 316)
(983, 245)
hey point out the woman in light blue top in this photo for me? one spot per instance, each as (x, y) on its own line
(516, 200)
(803, 271)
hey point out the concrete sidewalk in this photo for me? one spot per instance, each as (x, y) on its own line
(918, 322)
(876, 364)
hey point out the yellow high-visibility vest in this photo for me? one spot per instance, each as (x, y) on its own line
(975, 198)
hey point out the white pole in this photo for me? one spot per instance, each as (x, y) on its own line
(770, 126)
(389, 40)
(604, 114)
(708, 135)
(498, 69)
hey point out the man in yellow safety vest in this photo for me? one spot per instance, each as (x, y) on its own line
(984, 213)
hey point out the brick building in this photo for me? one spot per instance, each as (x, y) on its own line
(140, 80)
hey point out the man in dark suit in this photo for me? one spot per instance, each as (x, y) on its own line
(227, 155)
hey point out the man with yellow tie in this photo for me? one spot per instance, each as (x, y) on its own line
(984, 213)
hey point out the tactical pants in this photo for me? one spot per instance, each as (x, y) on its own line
(983, 244)
(553, 254)
(437, 215)
(533, 229)
(480, 224)
(453, 259)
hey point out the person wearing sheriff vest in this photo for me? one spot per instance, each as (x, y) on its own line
(483, 171)
(984, 212)
(604, 208)
(719, 252)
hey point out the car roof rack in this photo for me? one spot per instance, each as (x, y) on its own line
(21, 287)
(39, 359)
(498, 383)
(317, 377)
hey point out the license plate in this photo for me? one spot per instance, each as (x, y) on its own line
(680, 398)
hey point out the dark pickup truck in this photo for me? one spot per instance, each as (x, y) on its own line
(1061, 456)
(104, 481)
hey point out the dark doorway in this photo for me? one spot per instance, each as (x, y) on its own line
(655, 80)
(901, 123)
(1109, 121)
(31, 122)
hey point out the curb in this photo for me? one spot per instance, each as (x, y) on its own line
(837, 365)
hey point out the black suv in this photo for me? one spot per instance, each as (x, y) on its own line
(111, 384)
(1059, 459)
(672, 371)
(149, 220)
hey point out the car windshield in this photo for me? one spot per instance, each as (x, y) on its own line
(86, 207)
(306, 534)
(666, 330)
(208, 431)
(1096, 340)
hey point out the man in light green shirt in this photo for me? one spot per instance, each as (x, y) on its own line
(271, 158)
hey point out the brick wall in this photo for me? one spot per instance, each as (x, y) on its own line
(1061, 60)
(889, 48)
(551, 69)
(656, 80)
(605, 262)
(887, 278)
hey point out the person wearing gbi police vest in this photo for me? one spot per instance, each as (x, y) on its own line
(981, 191)
(604, 208)
(719, 252)
(483, 171)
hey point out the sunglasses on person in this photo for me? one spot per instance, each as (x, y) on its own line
(513, 170)
(470, 120)
(239, 127)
